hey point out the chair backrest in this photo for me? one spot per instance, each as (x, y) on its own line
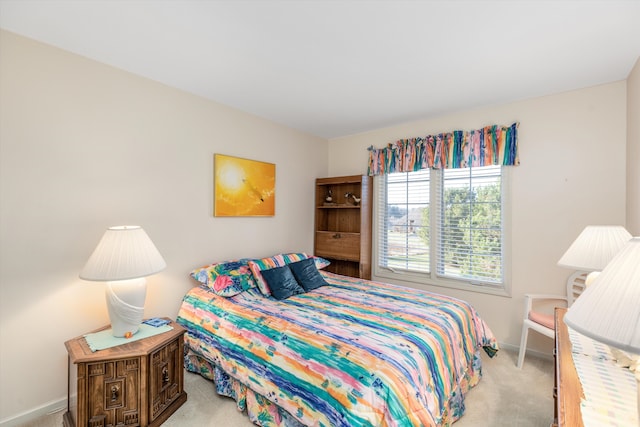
(576, 285)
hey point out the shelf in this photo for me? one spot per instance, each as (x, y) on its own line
(352, 179)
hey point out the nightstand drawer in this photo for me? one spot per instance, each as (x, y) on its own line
(165, 377)
(112, 392)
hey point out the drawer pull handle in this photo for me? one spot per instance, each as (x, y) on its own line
(165, 375)
(115, 391)
(336, 236)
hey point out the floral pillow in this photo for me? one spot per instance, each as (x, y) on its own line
(320, 262)
(280, 260)
(227, 278)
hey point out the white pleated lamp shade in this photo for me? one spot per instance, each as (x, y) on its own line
(123, 253)
(609, 310)
(595, 247)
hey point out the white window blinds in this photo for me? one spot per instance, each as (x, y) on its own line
(469, 243)
(404, 230)
(446, 224)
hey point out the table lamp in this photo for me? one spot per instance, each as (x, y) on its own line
(609, 310)
(123, 258)
(594, 248)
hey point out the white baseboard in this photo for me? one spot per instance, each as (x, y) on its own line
(530, 352)
(33, 414)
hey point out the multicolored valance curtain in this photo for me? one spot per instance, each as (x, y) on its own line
(491, 145)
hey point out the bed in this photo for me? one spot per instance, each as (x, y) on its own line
(348, 352)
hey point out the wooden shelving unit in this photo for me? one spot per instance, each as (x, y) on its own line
(343, 225)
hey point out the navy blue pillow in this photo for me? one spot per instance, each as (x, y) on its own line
(307, 274)
(281, 282)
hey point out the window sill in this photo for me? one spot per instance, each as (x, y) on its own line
(411, 279)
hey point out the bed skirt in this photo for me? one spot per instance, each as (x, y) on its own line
(263, 412)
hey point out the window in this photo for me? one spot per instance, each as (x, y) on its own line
(444, 227)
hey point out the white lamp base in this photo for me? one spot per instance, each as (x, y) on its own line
(125, 302)
(590, 278)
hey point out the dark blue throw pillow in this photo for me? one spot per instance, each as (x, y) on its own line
(307, 274)
(281, 282)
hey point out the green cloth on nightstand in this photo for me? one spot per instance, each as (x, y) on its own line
(105, 339)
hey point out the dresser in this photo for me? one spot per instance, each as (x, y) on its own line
(591, 388)
(134, 384)
(568, 390)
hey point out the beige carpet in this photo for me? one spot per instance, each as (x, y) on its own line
(506, 397)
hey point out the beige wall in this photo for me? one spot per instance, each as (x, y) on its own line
(633, 150)
(572, 174)
(84, 146)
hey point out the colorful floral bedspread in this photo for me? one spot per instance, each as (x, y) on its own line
(355, 353)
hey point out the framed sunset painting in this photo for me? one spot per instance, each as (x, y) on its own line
(243, 187)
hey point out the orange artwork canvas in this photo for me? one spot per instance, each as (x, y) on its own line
(243, 187)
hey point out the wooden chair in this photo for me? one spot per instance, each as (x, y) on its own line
(543, 322)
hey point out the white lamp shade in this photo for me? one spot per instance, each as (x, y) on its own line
(595, 247)
(609, 310)
(123, 253)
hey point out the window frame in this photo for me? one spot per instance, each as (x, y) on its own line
(432, 278)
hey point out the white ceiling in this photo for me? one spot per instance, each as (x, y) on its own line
(334, 68)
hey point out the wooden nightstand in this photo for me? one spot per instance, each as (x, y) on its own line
(135, 384)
